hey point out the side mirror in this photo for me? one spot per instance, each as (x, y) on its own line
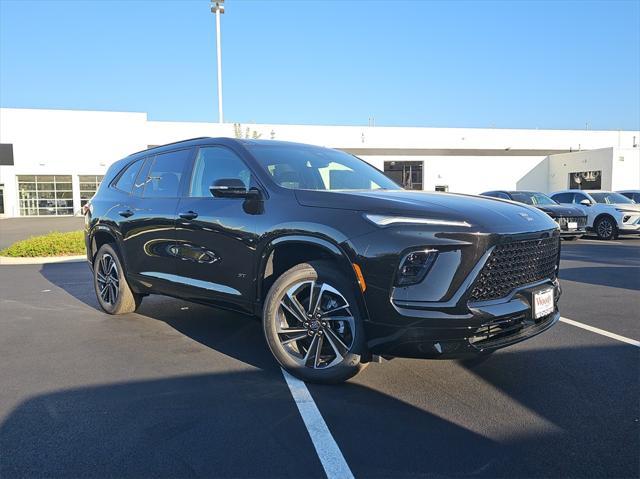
(229, 188)
(585, 202)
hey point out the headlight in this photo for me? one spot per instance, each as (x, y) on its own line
(415, 266)
(382, 220)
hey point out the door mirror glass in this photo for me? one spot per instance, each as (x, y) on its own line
(585, 202)
(228, 188)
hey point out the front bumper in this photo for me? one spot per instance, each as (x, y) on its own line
(629, 229)
(573, 233)
(445, 315)
(486, 327)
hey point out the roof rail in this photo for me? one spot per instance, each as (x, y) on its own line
(169, 144)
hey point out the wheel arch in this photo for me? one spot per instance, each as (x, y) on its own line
(101, 235)
(605, 215)
(284, 252)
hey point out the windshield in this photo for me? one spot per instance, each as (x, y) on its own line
(532, 198)
(314, 168)
(610, 198)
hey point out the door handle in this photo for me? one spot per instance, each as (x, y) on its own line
(125, 213)
(189, 215)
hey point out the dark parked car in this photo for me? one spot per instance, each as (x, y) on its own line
(340, 263)
(572, 221)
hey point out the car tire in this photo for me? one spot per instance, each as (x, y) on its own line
(112, 289)
(606, 228)
(301, 326)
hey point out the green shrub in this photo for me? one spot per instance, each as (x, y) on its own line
(51, 244)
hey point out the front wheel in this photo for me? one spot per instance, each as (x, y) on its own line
(312, 323)
(112, 290)
(605, 228)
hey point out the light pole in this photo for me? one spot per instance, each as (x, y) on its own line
(217, 7)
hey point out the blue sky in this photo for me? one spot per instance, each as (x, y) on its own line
(452, 64)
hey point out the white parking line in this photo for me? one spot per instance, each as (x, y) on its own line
(630, 341)
(335, 467)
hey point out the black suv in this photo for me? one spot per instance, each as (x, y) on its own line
(341, 264)
(572, 221)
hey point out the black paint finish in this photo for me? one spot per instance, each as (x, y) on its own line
(225, 250)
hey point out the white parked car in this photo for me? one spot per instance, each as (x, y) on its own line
(608, 213)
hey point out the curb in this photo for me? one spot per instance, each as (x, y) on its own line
(6, 260)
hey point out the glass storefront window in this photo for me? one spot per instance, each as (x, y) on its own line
(88, 187)
(45, 195)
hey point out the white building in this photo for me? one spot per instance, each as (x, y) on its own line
(52, 160)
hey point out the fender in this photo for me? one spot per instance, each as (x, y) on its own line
(604, 215)
(330, 247)
(102, 227)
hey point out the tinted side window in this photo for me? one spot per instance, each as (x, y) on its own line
(578, 197)
(128, 177)
(214, 163)
(504, 196)
(563, 197)
(163, 180)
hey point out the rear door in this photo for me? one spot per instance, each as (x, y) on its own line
(148, 224)
(216, 236)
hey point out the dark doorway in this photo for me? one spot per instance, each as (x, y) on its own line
(585, 180)
(405, 173)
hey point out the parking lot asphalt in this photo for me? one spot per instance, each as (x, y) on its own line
(16, 229)
(182, 390)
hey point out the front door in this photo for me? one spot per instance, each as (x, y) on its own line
(216, 236)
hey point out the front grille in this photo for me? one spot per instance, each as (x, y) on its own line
(515, 264)
(564, 221)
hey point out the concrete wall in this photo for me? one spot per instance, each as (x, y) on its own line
(467, 174)
(468, 160)
(563, 164)
(537, 178)
(626, 169)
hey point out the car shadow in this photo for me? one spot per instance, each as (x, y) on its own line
(589, 392)
(74, 278)
(625, 277)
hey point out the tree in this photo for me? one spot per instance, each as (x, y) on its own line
(248, 133)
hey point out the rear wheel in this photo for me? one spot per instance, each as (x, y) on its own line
(112, 290)
(606, 228)
(312, 323)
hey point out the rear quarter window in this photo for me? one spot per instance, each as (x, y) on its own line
(127, 178)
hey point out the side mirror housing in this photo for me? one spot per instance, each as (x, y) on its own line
(229, 188)
(585, 202)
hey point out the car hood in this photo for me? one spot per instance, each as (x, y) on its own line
(559, 210)
(626, 206)
(483, 213)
